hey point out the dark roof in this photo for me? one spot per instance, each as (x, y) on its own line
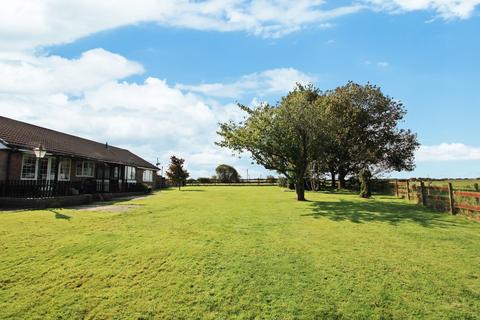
(27, 136)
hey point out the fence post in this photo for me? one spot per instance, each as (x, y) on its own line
(408, 189)
(396, 188)
(422, 193)
(451, 198)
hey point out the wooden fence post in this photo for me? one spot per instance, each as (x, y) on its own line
(408, 189)
(422, 193)
(396, 188)
(451, 198)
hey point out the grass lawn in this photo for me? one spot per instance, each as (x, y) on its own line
(240, 253)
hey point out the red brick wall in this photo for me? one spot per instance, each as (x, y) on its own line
(3, 164)
(15, 166)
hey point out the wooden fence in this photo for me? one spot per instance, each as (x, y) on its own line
(241, 182)
(442, 198)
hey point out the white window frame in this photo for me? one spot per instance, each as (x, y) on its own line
(149, 177)
(60, 167)
(83, 175)
(128, 173)
(36, 167)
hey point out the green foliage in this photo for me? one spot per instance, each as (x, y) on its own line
(363, 131)
(271, 179)
(285, 137)
(239, 253)
(227, 174)
(176, 172)
(143, 187)
(364, 177)
(204, 180)
(284, 182)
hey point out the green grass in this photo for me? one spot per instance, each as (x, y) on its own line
(240, 253)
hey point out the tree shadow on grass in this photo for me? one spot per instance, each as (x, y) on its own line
(375, 211)
(59, 215)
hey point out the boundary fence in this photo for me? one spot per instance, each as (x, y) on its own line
(442, 198)
(241, 182)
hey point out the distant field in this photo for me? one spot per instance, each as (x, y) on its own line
(240, 253)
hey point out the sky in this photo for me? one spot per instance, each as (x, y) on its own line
(157, 77)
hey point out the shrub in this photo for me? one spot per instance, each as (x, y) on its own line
(204, 180)
(364, 176)
(284, 182)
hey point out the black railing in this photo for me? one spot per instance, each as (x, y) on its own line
(50, 188)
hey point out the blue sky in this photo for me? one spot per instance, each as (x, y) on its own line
(159, 84)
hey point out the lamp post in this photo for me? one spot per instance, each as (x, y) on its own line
(40, 152)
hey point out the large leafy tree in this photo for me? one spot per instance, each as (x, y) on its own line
(363, 128)
(286, 137)
(227, 174)
(176, 172)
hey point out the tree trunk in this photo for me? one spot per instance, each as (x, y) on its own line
(334, 180)
(300, 188)
(341, 179)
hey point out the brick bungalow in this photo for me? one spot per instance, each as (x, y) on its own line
(39, 162)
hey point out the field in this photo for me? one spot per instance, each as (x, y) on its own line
(240, 253)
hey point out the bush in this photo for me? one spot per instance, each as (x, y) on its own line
(204, 180)
(192, 181)
(284, 182)
(142, 187)
(271, 179)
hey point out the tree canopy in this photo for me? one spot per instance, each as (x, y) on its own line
(176, 172)
(363, 130)
(227, 174)
(286, 137)
(352, 128)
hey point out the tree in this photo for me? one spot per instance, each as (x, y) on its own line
(363, 132)
(286, 137)
(176, 172)
(364, 177)
(227, 174)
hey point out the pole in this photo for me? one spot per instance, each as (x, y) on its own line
(451, 198)
(408, 189)
(422, 193)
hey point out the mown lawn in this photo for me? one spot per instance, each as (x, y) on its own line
(240, 253)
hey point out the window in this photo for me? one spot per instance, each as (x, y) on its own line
(85, 169)
(64, 170)
(147, 175)
(29, 167)
(115, 173)
(130, 173)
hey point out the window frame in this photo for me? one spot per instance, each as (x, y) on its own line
(83, 175)
(60, 162)
(36, 167)
(130, 169)
(149, 176)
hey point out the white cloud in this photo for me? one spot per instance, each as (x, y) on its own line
(446, 9)
(25, 24)
(272, 81)
(23, 74)
(448, 152)
(383, 64)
